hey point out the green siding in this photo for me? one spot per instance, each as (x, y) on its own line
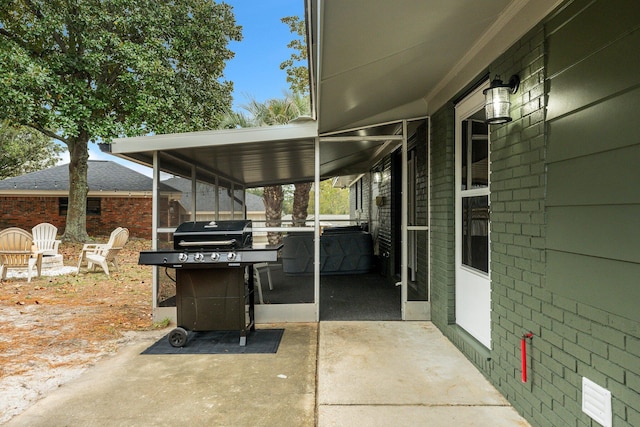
(610, 177)
(609, 231)
(594, 152)
(609, 284)
(595, 129)
(606, 72)
(568, 43)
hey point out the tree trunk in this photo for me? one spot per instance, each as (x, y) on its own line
(301, 203)
(273, 199)
(76, 227)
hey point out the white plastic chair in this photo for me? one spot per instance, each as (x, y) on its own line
(16, 251)
(44, 237)
(96, 254)
(256, 278)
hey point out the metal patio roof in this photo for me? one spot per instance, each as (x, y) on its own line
(254, 157)
(250, 157)
(371, 61)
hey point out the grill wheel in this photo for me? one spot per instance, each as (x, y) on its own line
(178, 337)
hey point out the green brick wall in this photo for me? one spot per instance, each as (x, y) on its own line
(583, 323)
(519, 301)
(442, 217)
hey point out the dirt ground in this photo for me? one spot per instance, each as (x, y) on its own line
(55, 327)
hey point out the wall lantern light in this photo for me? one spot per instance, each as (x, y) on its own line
(496, 99)
(377, 177)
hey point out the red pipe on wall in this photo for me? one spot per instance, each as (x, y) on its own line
(523, 354)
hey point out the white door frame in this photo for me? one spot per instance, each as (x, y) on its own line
(414, 310)
(473, 287)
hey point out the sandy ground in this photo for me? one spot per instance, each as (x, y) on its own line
(57, 326)
(32, 378)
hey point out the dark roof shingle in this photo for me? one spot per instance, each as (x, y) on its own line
(101, 175)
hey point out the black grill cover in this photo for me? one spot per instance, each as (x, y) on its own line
(206, 235)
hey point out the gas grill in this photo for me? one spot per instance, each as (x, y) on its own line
(210, 259)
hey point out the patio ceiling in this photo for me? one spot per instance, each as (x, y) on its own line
(379, 60)
(372, 61)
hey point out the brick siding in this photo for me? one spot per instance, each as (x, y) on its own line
(26, 212)
(442, 217)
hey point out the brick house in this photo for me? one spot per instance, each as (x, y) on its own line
(118, 197)
(530, 226)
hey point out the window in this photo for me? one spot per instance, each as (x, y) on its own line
(474, 192)
(475, 155)
(475, 232)
(93, 206)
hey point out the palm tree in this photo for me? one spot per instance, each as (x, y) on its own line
(234, 119)
(276, 111)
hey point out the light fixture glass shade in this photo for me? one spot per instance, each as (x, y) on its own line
(377, 177)
(497, 102)
(497, 105)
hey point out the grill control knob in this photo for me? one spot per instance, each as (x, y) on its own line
(231, 256)
(183, 257)
(215, 256)
(199, 257)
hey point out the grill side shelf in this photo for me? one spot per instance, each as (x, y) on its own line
(244, 256)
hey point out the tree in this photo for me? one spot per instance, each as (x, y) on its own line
(277, 111)
(91, 70)
(298, 78)
(297, 75)
(300, 204)
(23, 150)
(281, 111)
(333, 200)
(274, 112)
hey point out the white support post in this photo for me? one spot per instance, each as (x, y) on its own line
(316, 231)
(155, 200)
(193, 193)
(216, 195)
(403, 223)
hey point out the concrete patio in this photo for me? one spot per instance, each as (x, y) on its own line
(326, 374)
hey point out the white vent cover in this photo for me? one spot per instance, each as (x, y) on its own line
(596, 402)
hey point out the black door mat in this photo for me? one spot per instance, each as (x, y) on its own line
(222, 342)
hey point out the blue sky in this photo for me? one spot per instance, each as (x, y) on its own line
(255, 69)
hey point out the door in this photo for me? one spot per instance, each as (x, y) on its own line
(473, 285)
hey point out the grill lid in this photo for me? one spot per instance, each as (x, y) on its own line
(203, 235)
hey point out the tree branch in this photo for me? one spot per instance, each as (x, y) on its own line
(113, 74)
(16, 40)
(60, 41)
(34, 9)
(39, 15)
(32, 53)
(48, 133)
